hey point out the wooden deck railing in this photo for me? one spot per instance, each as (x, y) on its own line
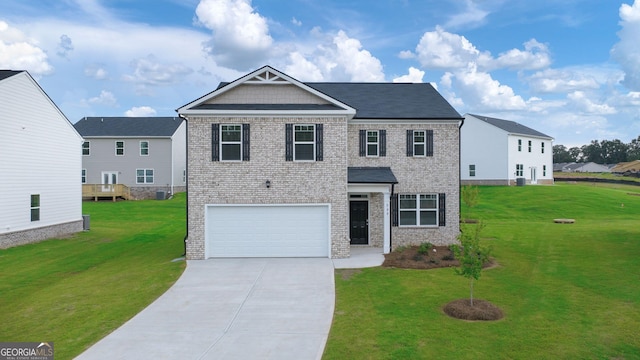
(112, 191)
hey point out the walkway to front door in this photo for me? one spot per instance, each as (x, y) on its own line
(359, 222)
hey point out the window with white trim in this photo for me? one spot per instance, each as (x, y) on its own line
(519, 170)
(231, 142)
(544, 170)
(35, 207)
(144, 148)
(304, 146)
(86, 150)
(542, 147)
(529, 145)
(144, 176)
(119, 148)
(418, 209)
(184, 175)
(373, 143)
(519, 144)
(472, 170)
(84, 176)
(419, 143)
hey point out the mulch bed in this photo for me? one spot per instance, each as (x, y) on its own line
(410, 258)
(481, 310)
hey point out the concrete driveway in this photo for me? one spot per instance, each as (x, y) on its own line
(267, 308)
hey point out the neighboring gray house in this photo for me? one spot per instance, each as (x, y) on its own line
(278, 168)
(133, 157)
(589, 167)
(39, 164)
(504, 152)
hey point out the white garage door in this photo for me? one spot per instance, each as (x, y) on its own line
(267, 231)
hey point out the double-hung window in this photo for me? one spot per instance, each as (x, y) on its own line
(84, 176)
(144, 148)
(373, 142)
(418, 209)
(519, 170)
(119, 148)
(144, 176)
(472, 170)
(542, 147)
(529, 145)
(419, 143)
(304, 142)
(86, 150)
(35, 207)
(231, 142)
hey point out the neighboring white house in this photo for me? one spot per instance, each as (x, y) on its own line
(502, 152)
(589, 167)
(40, 190)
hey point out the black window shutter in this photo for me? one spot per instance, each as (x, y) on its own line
(319, 142)
(394, 210)
(215, 142)
(409, 142)
(429, 140)
(363, 142)
(246, 138)
(383, 142)
(442, 210)
(288, 136)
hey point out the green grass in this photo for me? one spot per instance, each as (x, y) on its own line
(74, 291)
(569, 291)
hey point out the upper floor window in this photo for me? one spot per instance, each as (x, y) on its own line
(230, 142)
(144, 148)
(519, 144)
(144, 176)
(373, 143)
(303, 142)
(529, 145)
(119, 148)
(86, 150)
(472, 170)
(35, 207)
(542, 147)
(419, 143)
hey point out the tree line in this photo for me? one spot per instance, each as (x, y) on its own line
(600, 152)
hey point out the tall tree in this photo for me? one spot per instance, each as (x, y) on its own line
(561, 154)
(633, 149)
(576, 154)
(613, 152)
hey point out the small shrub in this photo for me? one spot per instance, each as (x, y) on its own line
(401, 248)
(418, 257)
(448, 257)
(424, 248)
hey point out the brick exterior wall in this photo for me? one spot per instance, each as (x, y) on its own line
(218, 182)
(30, 236)
(436, 174)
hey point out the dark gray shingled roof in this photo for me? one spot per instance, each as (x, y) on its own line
(8, 73)
(127, 126)
(371, 175)
(383, 100)
(511, 127)
(390, 100)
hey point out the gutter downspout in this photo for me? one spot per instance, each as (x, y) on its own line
(391, 223)
(186, 145)
(459, 171)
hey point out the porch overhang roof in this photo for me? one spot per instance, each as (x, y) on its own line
(371, 175)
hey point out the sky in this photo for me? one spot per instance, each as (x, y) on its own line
(569, 69)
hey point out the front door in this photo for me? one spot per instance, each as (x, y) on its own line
(109, 179)
(359, 222)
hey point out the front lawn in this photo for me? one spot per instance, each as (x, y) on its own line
(75, 291)
(568, 291)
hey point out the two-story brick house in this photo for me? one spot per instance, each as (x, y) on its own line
(277, 167)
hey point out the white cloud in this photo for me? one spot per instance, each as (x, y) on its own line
(96, 71)
(140, 111)
(414, 76)
(17, 52)
(358, 63)
(149, 71)
(535, 56)
(296, 22)
(586, 105)
(562, 81)
(303, 69)
(627, 50)
(65, 46)
(241, 36)
(443, 50)
(105, 98)
(472, 16)
(406, 54)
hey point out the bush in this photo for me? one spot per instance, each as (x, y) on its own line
(424, 248)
